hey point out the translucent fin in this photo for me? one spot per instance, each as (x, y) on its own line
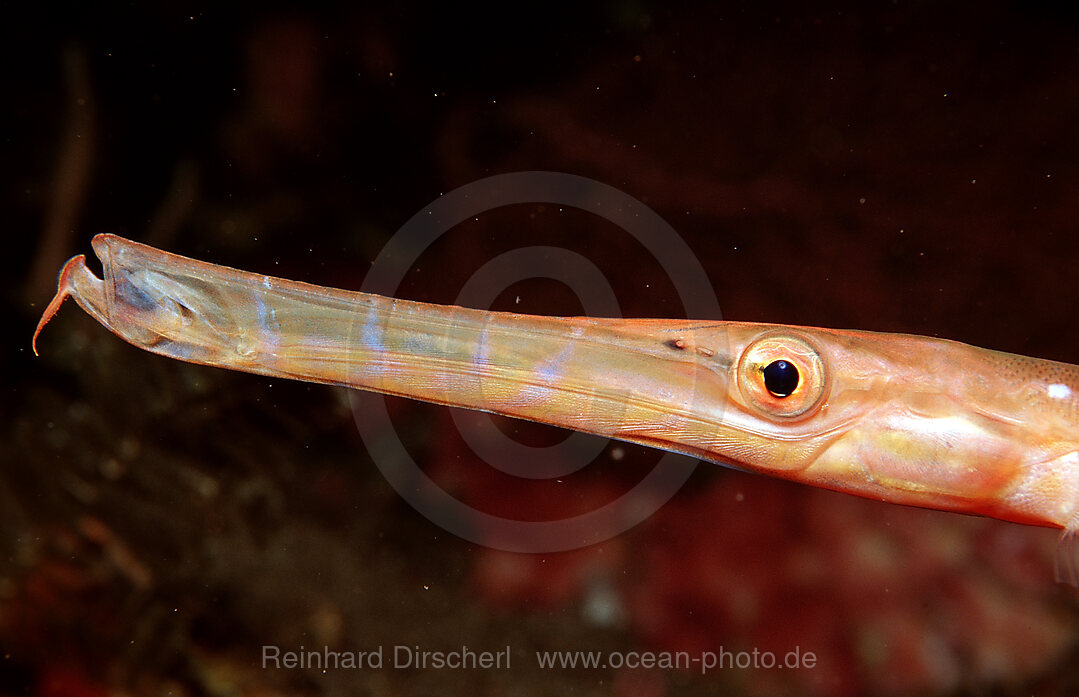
(1068, 555)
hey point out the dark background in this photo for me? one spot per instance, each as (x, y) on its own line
(893, 166)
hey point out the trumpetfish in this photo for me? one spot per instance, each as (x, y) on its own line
(892, 417)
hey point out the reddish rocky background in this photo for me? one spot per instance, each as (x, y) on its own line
(902, 167)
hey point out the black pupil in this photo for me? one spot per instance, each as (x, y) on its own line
(781, 378)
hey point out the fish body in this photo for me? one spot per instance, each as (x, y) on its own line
(899, 418)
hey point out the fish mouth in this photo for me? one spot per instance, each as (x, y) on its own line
(75, 280)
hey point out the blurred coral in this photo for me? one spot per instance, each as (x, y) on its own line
(889, 600)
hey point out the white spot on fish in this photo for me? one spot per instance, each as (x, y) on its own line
(372, 333)
(483, 348)
(269, 330)
(1059, 391)
(551, 369)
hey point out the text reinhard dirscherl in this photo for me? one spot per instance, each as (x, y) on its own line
(465, 658)
(400, 657)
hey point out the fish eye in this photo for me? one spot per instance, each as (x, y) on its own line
(781, 374)
(780, 378)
